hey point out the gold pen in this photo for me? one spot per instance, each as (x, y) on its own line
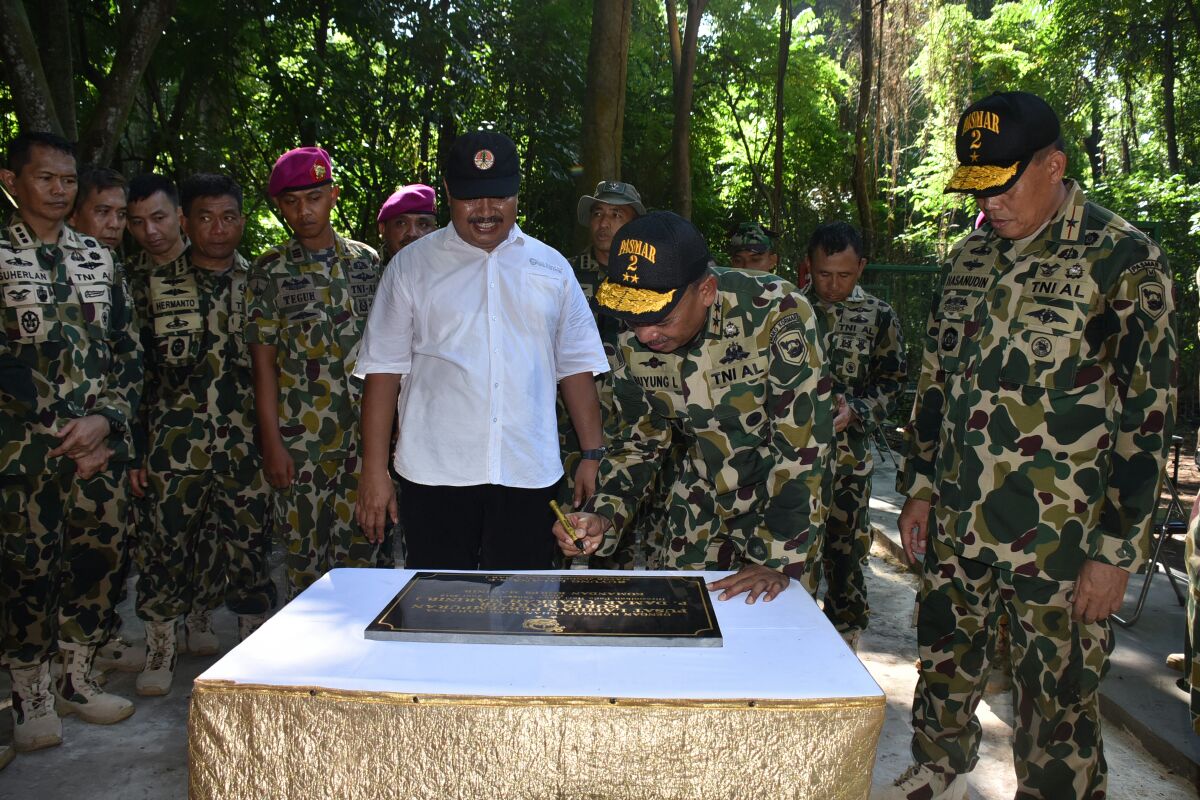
(567, 526)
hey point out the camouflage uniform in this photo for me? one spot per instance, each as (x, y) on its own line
(142, 511)
(313, 308)
(68, 352)
(750, 401)
(206, 541)
(1039, 433)
(648, 530)
(865, 352)
(97, 553)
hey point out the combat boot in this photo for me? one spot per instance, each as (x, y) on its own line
(248, 624)
(155, 679)
(6, 755)
(120, 654)
(35, 722)
(201, 638)
(919, 782)
(78, 692)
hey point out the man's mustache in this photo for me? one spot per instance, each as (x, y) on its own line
(485, 220)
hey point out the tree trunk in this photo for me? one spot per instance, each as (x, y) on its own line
(681, 164)
(1168, 87)
(1092, 143)
(604, 98)
(1131, 132)
(673, 36)
(54, 43)
(1194, 14)
(23, 62)
(862, 199)
(785, 46)
(99, 141)
(310, 133)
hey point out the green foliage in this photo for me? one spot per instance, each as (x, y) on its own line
(385, 85)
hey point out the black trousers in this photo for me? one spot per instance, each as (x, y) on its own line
(477, 527)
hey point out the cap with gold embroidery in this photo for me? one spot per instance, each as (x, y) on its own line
(652, 260)
(996, 139)
(300, 169)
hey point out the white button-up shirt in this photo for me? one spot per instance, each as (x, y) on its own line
(483, 340)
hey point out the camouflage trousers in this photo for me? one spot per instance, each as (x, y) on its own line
(1057, 666)
(315, 520)
(844, 552)
(209, 544)
(96, 557)
(35, 513)
(704, 531)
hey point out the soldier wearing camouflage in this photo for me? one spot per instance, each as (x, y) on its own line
(97, 552)
(1038, 437)
(865, 352)
(752, 246)
(69, 389)
(209, 542)
(604, 212)
(747, 396)
(309, 307)
(155, 223)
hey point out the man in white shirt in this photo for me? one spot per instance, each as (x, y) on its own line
(483, 323)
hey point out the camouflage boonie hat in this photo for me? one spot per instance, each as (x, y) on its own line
(653, 259)
(614, 193)
(751, 236)
(996, 139)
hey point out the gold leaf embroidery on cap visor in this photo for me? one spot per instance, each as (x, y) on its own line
(975, 178)
(630, 300)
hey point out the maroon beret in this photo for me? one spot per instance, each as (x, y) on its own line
(299, 169)
(416, 198)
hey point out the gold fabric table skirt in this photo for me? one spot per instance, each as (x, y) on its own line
(254, 742)
(304, 709)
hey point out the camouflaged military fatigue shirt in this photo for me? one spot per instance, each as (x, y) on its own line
(865, 351)
(1047, 395)
(68, 348)
(313, 308)
(590, 273)
(750, 399)
(137, 272)
(192, 322)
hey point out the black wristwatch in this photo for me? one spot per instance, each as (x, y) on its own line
(593, 455)
(116, 420)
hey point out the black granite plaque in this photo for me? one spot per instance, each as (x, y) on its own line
(524, 608)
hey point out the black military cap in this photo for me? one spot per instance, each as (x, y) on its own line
(996, 139)
(652, 260)
(482, 164)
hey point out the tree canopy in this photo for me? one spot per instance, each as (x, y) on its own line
(180, 86)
